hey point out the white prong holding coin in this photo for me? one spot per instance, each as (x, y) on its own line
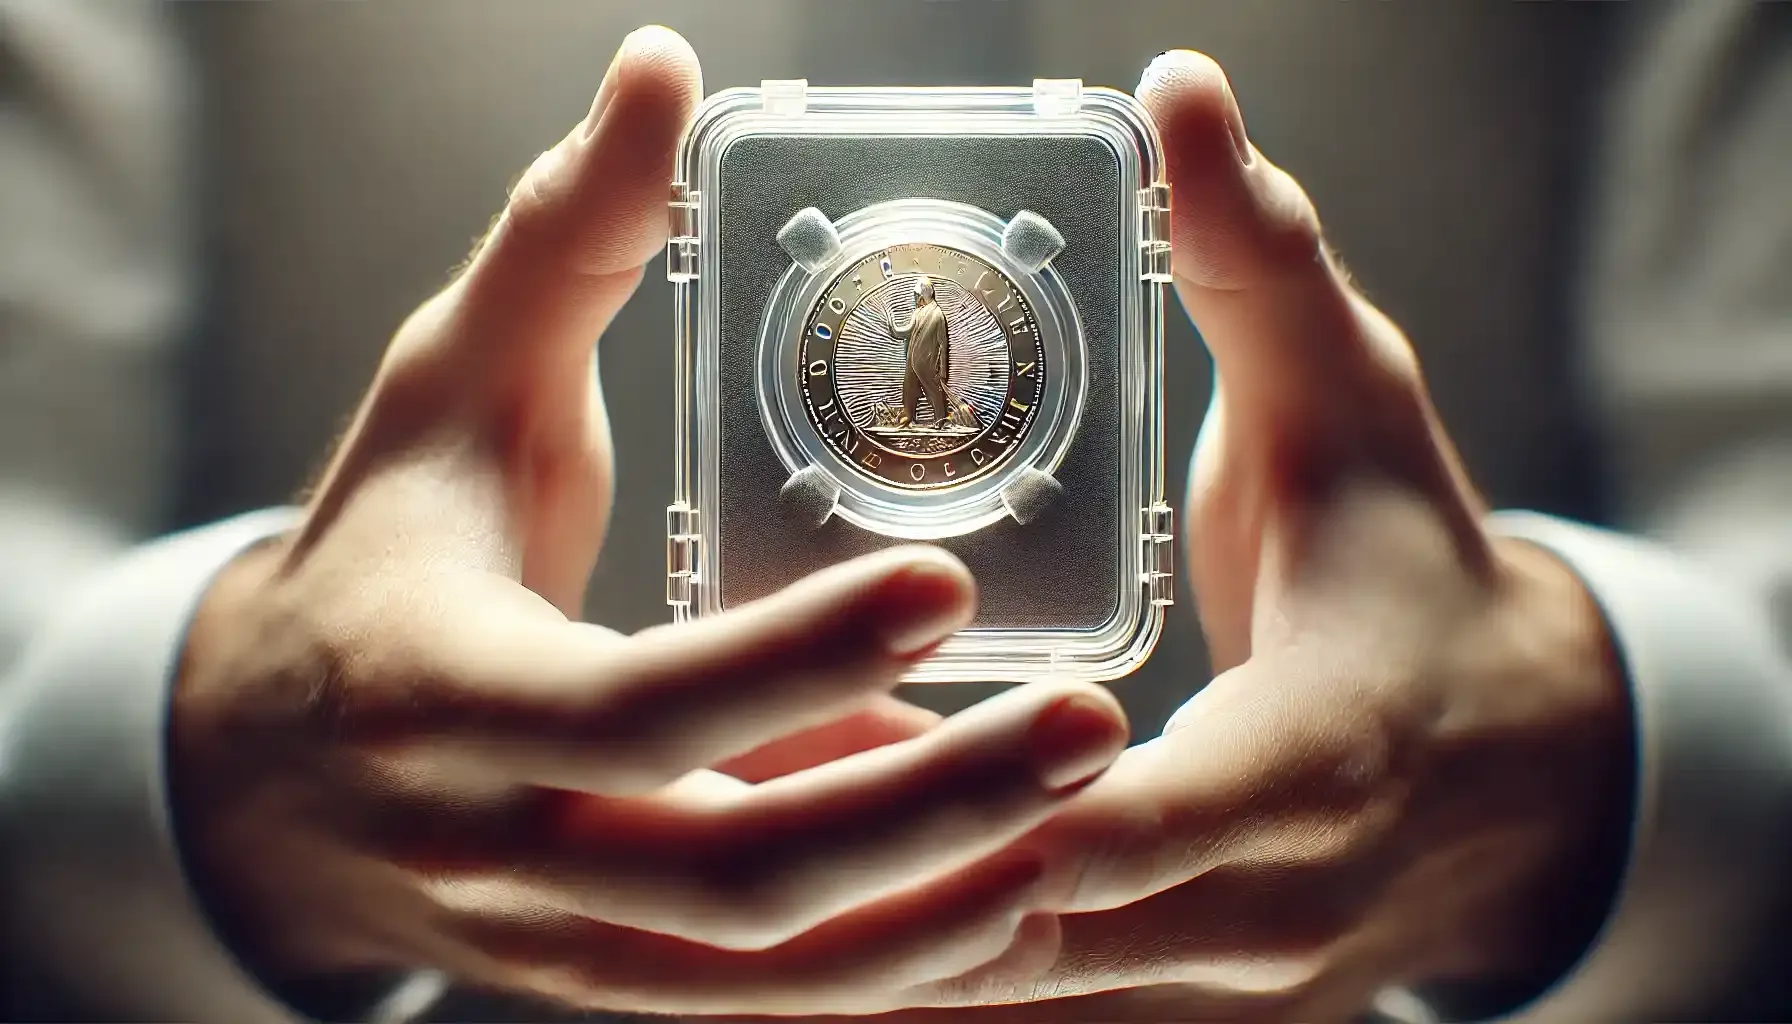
(1031, 241)
(810, 238)
(810, 496)
(1029, 494)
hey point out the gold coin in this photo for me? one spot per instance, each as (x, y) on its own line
(921, 366)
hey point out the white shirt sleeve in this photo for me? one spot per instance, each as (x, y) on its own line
(98, 913)
(1688, 327)
(1711, 842)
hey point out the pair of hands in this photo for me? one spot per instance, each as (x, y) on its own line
(393, 747)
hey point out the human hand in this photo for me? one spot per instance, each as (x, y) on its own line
(391, 748)
(1412, 768)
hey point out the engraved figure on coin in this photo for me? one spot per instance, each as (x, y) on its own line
(929, 366)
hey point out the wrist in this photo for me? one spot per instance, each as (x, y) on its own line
(208, 730)
(211, 736)
(270, 901)
(1575, 787)
(1579, 663)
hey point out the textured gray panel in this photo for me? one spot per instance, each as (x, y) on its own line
(1058, 571)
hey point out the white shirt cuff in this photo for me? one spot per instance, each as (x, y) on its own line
(1710, 842)
(99, 904)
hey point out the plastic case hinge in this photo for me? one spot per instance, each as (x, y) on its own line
(1154, 233)
(1159, 539)
(683, 552)
(1057, 97)
(681, 243)
(786, 97)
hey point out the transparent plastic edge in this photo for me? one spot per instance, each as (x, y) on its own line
(996, 654)
(696, 453)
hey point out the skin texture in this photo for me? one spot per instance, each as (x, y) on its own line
(1413, 766)
(392, 748)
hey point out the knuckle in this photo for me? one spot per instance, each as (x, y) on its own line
(1290, 235)
(1402, 378)
(538, 202)
(1394, 370)
(417, 382)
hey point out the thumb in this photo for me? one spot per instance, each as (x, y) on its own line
(1316, 391)
(487, 398)
(569, 247)
(1290, 337)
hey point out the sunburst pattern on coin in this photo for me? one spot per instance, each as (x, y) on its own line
(922, 366)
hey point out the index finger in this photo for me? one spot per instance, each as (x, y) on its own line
(494, 680)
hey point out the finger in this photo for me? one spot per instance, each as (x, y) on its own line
(887, 720)
(588, 214)
(1249, 260)
(1248, 773)
(1316, 390)
(565, 255)
(850, 966)
(811, 846)
(1303, 360)
(789, 854)
(503, 688)
(500, 367)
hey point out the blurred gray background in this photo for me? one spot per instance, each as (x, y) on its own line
(351, 153)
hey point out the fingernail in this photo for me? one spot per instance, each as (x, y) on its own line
(605, 91)
(1075, 740)
(920, 606)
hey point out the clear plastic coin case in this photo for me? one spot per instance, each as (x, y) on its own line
(928, 315)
